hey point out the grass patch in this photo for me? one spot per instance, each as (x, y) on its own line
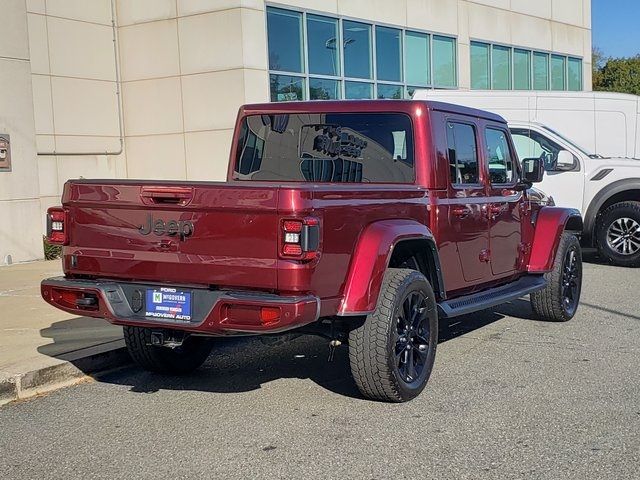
(51, 252)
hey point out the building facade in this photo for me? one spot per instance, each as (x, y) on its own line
(150, 88)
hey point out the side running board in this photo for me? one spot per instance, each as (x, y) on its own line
(491, 297)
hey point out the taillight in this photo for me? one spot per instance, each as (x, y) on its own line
(57, 226)
(300, 238)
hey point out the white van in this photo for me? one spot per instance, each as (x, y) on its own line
(602, 122)
(606, 190)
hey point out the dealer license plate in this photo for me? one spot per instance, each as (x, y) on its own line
(168, 303)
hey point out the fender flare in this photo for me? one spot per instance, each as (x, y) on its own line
(599, 200)
(551, 222)
(371, 258)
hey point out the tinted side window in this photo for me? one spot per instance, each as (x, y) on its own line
(463, 153)
(499, 156)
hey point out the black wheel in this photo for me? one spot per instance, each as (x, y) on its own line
(559, 300)
(183, 359)
(618, 234)
(393, 351)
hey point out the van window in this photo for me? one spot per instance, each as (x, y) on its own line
(499, 156)
(463, 153)
(326, 147)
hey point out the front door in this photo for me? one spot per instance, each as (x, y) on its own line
(503, 209)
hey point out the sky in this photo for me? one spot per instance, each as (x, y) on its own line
(615, 27)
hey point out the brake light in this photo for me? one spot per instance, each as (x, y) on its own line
(57, 226)
(300, 238)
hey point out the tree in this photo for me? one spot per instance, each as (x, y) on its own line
(598, 61)
(616, 74)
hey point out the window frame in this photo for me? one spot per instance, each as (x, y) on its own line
(342, 78)
(512, 151)
(479, 158)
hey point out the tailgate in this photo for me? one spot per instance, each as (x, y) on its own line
(197, 233)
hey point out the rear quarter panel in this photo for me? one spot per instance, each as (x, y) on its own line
(345, 214)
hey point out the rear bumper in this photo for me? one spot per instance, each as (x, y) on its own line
(215, 312)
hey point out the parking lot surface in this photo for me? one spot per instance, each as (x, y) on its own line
(510, 397)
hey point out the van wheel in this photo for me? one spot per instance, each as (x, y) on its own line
(393, 351)
(558, 301)
(618, 234)
(183, 359)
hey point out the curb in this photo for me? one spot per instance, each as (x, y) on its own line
(75, 366)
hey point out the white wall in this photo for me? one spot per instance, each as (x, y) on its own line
(20, 232)
(187, 66)
(75, 93)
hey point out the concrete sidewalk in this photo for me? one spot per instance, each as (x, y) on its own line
(41, 347)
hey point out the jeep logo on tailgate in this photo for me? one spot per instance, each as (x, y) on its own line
(184, 228)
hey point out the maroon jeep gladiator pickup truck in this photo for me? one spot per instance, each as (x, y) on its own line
(361, 221)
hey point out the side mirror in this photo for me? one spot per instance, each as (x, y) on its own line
(565, 160)
(533, 169)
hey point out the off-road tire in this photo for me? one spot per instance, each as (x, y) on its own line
(611, 214)
(184, 359)
(549, 303)
(372, 348)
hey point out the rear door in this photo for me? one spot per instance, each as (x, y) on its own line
(503, 210)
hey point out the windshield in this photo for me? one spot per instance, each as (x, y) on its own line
(571, 142)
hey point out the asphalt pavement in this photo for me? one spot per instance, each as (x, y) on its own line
(510, 397)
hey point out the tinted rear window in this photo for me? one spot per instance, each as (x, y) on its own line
(326, 147)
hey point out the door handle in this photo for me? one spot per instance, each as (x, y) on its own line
(166, 195)
(461, 212)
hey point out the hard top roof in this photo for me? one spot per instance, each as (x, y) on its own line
(349, 106)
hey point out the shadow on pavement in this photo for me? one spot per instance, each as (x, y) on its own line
(78, 334)
(245, 364)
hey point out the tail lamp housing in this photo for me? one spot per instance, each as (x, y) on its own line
(300, 238)
(57, 226)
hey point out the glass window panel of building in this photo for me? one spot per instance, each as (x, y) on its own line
(390, 92)
(389, 54)
(444, 62)
(480, 66)
(501, 67)
(338, 61)
(521, 69)
(284, 35)
(287, 88)
(417, 59)
(540, 71)
(357, 49)
(323, 45)
(558, 72)
(324, 89)
(574, 70)
(358, 90)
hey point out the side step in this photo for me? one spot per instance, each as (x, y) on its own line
(491, 297)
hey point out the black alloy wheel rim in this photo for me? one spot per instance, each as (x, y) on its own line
(570, 281)
(411, 341)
